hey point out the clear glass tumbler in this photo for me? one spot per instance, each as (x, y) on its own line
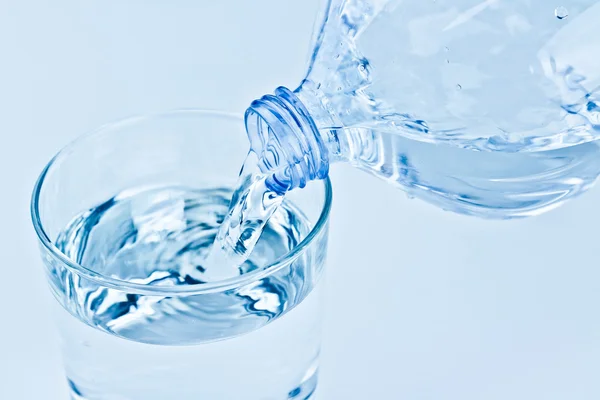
(123, 215)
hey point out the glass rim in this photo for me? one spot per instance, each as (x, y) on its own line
(139, 288)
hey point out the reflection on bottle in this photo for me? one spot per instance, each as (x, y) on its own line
(507, 129)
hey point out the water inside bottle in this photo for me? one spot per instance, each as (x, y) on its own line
(484, 108)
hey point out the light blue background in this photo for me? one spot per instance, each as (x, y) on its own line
(422, 304)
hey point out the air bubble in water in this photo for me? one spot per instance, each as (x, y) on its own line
(561, 12)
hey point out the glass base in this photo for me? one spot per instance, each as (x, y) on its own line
(307, 388)
(304, 391)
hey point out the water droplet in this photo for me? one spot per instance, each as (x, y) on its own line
(339, 88)
(447, 61)
(458, 87)
(361, 68)
(446, 49)
(337, 56)
(561, 12)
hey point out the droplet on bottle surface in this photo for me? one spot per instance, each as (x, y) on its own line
(446, 49)
(458, 87)
(561, 12)
(363, 66)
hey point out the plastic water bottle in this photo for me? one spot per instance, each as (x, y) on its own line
(490, 108)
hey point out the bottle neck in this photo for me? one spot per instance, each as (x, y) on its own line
(286, 138)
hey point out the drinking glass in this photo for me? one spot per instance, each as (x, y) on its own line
(146, 330)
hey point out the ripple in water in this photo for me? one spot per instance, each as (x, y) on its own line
(161, 237)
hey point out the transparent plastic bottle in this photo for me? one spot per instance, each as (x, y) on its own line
(490, 108)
